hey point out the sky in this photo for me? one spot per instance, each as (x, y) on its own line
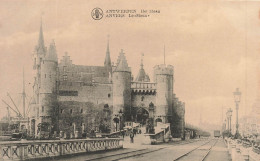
(213, 46)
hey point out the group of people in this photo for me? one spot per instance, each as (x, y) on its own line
(132, 133)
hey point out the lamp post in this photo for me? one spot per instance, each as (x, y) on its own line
(120, 119)
(237, 97)
(151, 117)
(229, 115)
(230, 119)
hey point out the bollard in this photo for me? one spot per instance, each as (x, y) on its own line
(76, 134)
(61, 134)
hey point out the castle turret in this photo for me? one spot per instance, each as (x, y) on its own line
(163, 76)
(121, 86)
(48, 85)
(142, 76)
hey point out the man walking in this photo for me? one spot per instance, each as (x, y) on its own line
(132, 137)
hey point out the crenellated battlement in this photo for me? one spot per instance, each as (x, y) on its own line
(163, 69)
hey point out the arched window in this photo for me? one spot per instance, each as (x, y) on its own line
(70, 110)
(81, 110)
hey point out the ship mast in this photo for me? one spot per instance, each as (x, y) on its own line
(23, 95)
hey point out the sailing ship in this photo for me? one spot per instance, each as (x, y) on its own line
(15, 127)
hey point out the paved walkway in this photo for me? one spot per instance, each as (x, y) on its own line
(219, 152)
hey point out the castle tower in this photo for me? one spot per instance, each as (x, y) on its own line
(121, 78)
(48, 91)
(163, 76)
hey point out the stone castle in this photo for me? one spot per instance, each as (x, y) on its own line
(69, 97)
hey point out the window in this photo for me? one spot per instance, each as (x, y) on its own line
(65, 77)
(61, 110)
(68, 93)
(70, 110)
(81, 110)
(70, 124)
(108, 95)
(42, 108)
(64, 69)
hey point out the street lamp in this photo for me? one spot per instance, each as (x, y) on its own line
(151, 117)
(237, 97)
(120, 119)
(229, 115)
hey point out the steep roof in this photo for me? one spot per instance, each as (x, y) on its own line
(122, 65)
(52, 55)
(142, 76)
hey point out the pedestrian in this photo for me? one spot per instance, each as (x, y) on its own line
(132, 137)
(123, 134)
(134, 131)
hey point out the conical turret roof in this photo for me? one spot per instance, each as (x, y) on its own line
(142, 76)
(107, 59)
(52, 55)
(41, 46)
(122, 64)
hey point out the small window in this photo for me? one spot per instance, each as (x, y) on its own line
(42, 108)
(70, 110)
(81, 110)
(65, 77)
(142, 98)
(70, 124)
(61, 110)
(108, 95)
(64, 68)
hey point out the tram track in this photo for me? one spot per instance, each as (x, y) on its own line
(135, 153)
(116, 157)
(197, 149)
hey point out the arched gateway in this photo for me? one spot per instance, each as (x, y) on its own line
(140, 115)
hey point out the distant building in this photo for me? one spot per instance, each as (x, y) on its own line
(66, 95)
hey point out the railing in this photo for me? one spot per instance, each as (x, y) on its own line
(22, 150)
(143, 86)
(243, 149)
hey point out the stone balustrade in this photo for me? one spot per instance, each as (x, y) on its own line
(22, 150)
(242, 150)
(161, 135)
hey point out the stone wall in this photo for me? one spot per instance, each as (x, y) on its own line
(98, 94)
(82, 117)
(142, 100)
